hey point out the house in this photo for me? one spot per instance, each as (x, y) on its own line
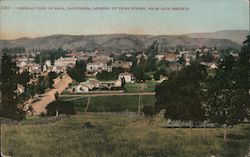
(117, 83)
(111, 84)
(140, 56)
(48, 63)
(86, 86)
(171, 57)
(21, 64)
(98, 67)
(123, 64)
(127, 76)
(20, 89)
(213, 66)
(159, 57)
(81, 88)
(65, 61)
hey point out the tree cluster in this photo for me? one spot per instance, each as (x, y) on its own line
(221, 97)
(78, 72)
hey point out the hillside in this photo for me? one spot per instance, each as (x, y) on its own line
(116, 42)
(237, 36)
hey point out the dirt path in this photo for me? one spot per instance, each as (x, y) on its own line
(59, 86)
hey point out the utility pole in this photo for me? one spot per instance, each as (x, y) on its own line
(140, 102)
(86, 109)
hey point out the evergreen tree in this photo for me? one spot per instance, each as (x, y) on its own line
(9, 106)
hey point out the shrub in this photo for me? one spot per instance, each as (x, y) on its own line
(63, 107)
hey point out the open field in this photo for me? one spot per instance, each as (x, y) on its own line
(110, 103)
(119, 135)
(149, 86)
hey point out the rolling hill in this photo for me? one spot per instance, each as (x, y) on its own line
(237, 36)
(117, 42)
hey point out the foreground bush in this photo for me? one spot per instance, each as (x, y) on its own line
(62, 107)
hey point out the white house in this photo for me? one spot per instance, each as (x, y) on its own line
(213, 66)
(21, 64)
(65, 61)
(87, 86)
(117, 83)
(20, 89)
(98, 67)
(127, 76)
(81, 88)
(160, 57)
(48, 63)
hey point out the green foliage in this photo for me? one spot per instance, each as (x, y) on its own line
(182, 96)
(123, 82)
(207, 57)
(51, 55)
(153, 49)
(56, 95)
(118, 70)
(14, 50)
(149, 111)
(90, 59)
(106, 76)
(78, 72)
(51, 77)
(24, 78)
(109, 63)
(139, 73)
(31, 89)
(62, 107)
(157, 75)
(150, 64)
(9, 106)
(228, 91)
(182, 60)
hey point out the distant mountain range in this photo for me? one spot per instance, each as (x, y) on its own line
(221, 39)
(237, 36)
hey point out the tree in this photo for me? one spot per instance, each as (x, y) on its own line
(118, 70)
(105, 76)
(150, 64)
(123, 82)
(24, 78)
(90, 59)
(56, 95)
(9, 106)
(228, 91)
(208, 57)
(181, 96)
(149, 112)
(62, 107)
(78, 72)
(109, 63)
(244, 65)
(157, 75)
(139, 73)
(182, 60)
(153, 49)
(51, 77)
(31, 89)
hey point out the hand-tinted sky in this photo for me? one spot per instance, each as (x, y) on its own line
(202, 16)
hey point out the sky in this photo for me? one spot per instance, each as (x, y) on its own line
(198, 16)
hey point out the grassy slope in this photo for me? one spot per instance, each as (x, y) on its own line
(117, 136)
